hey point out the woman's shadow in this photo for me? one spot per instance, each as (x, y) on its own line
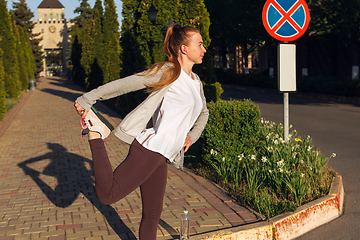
(73, 178)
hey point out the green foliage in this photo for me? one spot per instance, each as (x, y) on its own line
(8, 45)
(21, 56)
(22, 17)
(2, 87)
(232, 127)
(250, 159)
(111, 50)
(236, 23)
(85, 12)
(78, 72)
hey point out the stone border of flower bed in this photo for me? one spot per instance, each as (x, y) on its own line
(290, 225)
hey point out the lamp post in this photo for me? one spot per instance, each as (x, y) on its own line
(152, 12)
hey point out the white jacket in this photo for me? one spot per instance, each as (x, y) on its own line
(140, 118)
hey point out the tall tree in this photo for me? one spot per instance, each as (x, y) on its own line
(236, 23)
(85, 12)
(77, 70)
(96, 74)
(7, 43)
(340, 20)
(111, 50)
(20, 50)
(22, 17)
(2, 87)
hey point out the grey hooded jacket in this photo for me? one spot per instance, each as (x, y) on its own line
(141, 117)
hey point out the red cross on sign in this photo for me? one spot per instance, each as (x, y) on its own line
(286, 20)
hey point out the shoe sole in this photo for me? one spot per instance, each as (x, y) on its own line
(106, 122)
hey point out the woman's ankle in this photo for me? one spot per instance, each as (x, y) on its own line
(93, 135)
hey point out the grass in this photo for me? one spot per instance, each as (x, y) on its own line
(11, 102)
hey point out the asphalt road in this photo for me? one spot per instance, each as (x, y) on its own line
(334, 128)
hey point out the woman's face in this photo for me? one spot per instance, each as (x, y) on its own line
(195, 49)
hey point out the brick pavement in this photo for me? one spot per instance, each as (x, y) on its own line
(47, 183)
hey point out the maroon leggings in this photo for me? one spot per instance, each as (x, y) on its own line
(141, 167)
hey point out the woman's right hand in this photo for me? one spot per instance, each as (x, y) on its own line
(80, 110)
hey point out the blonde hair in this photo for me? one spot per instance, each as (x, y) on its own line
(175, 37)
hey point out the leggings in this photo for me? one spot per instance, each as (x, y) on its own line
(141, 167)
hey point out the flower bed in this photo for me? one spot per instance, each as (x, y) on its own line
(249, 158)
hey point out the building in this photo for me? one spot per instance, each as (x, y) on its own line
(54, 29)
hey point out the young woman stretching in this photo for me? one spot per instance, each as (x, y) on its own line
(160, 129)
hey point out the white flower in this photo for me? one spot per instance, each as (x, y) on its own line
(281, 170)
(280, 163)
(264, 159)
(241, 156)
(253, 157)
(270, 171)
(301, 161)
(294, 154)
(270, 149)
(291, 126)
(262, 120)
(223, 159)
(333, 155)
(212, 151)
(276, 142)
(309, 148)
(302, 175)
(308, 136)
(310, 168)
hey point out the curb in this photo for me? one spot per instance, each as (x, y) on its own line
(290, 225)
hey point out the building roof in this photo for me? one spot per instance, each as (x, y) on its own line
(50, 4)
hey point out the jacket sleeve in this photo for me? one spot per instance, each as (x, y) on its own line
(118, 87)
(200, 123)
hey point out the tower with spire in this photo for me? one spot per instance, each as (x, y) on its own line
(53, 28)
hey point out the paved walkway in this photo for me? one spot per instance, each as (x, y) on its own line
(47, 183)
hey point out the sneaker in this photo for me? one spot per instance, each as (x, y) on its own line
(95, 122)
(85, 129)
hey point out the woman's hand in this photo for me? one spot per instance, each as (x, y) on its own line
(80, 110)
(187, 143)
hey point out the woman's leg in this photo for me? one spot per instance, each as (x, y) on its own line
(138, 166)
(152, 194)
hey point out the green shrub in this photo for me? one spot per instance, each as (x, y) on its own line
(212, 91)
(232, 126)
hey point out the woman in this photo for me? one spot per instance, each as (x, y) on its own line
(160, 129)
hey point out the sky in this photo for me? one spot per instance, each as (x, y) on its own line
(69, 5)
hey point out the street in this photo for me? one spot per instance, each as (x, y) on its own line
(334, 128)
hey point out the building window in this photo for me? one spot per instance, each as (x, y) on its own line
(42, 30)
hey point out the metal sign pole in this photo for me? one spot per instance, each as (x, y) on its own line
(286, 117)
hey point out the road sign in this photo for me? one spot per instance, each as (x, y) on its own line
(286, 20)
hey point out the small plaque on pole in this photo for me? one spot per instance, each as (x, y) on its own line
(287, 67)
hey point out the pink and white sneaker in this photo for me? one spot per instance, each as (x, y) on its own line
(95, 122)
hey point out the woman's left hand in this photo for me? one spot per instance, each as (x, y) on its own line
(187, 143)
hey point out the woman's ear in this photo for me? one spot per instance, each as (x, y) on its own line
(183, 49)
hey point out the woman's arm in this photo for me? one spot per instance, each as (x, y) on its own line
(119, 87)
(200, 123)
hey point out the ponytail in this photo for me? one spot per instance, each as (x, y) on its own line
(176, 36)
